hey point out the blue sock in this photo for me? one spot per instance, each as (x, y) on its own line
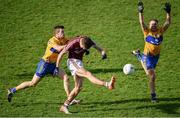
(13, 90)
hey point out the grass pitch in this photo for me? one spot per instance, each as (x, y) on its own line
(26, 26)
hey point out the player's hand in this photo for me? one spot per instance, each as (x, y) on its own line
(103, 55)
(167, 7)
(140, 7)
(56, 71)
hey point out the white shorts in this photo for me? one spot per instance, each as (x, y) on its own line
(74, 65)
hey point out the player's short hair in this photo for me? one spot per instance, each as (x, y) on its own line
(154, 20)
(59, 27)
(87, 42)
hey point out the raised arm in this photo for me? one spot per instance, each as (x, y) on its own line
(168, 16)
(141, 17)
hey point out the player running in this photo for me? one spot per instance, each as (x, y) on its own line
(76, 49)
(153, 38)
(47, 64)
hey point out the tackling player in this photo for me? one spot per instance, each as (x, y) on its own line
(76, 49)
(47, 64)
(153, 38)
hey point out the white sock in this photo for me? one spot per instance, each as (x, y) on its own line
(107, 84)
(66, 105)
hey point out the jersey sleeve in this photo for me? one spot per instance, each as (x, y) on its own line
(145, 32)
(51, 45)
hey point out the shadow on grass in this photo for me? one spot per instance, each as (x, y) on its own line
(40, 103)
(169, 107)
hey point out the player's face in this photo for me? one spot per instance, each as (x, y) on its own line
(60, 33)
(153, 25)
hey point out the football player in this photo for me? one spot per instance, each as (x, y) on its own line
(47, 64)
(153, 37)
(76, 48)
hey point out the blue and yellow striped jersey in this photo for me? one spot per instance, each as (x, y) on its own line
(51, 53)
(153, 41)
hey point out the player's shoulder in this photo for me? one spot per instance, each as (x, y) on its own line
(146, 31)
(52, 39)
(73, 42)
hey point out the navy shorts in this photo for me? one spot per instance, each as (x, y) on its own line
(150, 61)
(45, 68)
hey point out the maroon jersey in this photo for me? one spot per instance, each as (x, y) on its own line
(74, 49)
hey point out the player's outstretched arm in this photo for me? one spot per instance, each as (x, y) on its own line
(98, 48)
(55, 46)
(167, 23)
(141, 17)
(60, 56)
(59, 48)
(56, 70)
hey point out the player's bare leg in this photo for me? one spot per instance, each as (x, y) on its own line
(78, 84)
(23, 85)
(65, 78)
(84, 73)
(152, 76)
(27, 84)
(150, 73)
(138, 55)
(144, 67)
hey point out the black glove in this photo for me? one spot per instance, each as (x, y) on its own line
(167, 7)
(140, 7)
(56, 71)
(87, 52)
(104, 56)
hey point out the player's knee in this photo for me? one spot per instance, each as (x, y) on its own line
(32, 84)
(88, 73)
(152, 77)
(62, 75)
(65, 78)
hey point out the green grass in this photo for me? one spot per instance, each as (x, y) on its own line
(26, 26)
